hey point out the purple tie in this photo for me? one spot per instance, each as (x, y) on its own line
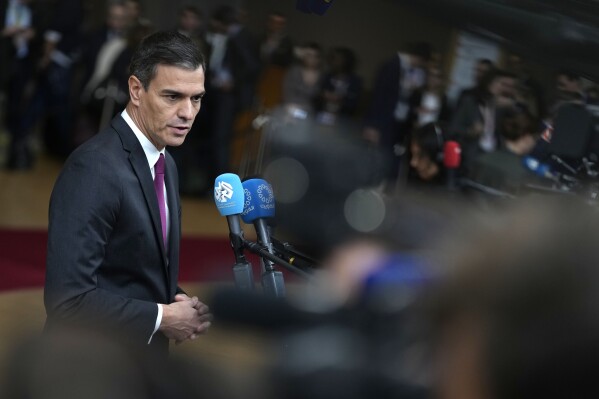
(159, 188)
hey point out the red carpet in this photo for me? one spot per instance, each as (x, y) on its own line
(23, 259)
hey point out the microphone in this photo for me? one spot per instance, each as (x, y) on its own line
(452, 158)
(259, 206)
(539, 168)
(229, 200)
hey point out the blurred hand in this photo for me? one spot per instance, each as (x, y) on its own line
(184, 319)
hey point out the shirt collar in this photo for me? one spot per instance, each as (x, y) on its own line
(152, 153)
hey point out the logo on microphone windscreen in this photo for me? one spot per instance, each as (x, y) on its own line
(223, 192)
(265, 193)
(247, 204)
(228, 194)
(248, 198)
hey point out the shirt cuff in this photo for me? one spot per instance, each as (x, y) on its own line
(158, 321)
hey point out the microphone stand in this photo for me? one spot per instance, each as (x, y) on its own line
(290, 254)
(242, 269)
(260, 251)
(272, 280)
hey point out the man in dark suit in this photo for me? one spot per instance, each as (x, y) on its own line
(234, 68)
(115, 215)
(386, 117)
(19, 22)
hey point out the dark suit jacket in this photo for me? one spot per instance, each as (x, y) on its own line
(242, 59)
(106, 263)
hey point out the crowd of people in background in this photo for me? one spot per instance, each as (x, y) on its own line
(71, 83)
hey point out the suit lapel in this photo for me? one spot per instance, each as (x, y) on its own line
(139, 163)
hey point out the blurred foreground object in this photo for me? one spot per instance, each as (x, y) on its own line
(517, 314)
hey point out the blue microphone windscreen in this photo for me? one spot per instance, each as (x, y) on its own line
(531, 163)
(259, 200)
(228, 194)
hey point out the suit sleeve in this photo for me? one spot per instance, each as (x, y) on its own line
(464, 118)
(84, 209)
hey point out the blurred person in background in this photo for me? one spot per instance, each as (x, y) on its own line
(231, 80)
(482, 67)
(475, 122)
(50, 88)
(102, 45)
(18, 51)
(134, 13)
(193, 158)
(504, 169)
(385, 121)
(426, 151)
(429, 104)
(112, 93)
(530, 93)
(340, 88)
(593, 94)
(302, 81)
(191, 24)
(276, 55)
(520, 321)
(113, 247)
(102, 48)
(568, 88)
(16, 31)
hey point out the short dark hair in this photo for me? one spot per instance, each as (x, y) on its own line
(430, 139)
(164, 48)
(571, 75)
(517, 123)
(486, 62)
(489, 77)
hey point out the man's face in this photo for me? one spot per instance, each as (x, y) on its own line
(480, 70)
(503, 86)
(117, 18)
(168, 108)
(133, 9)
(421, 162)
(565, 84)
(190, 22)
(276, 24)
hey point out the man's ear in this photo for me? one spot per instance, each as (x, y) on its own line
(135, 89)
